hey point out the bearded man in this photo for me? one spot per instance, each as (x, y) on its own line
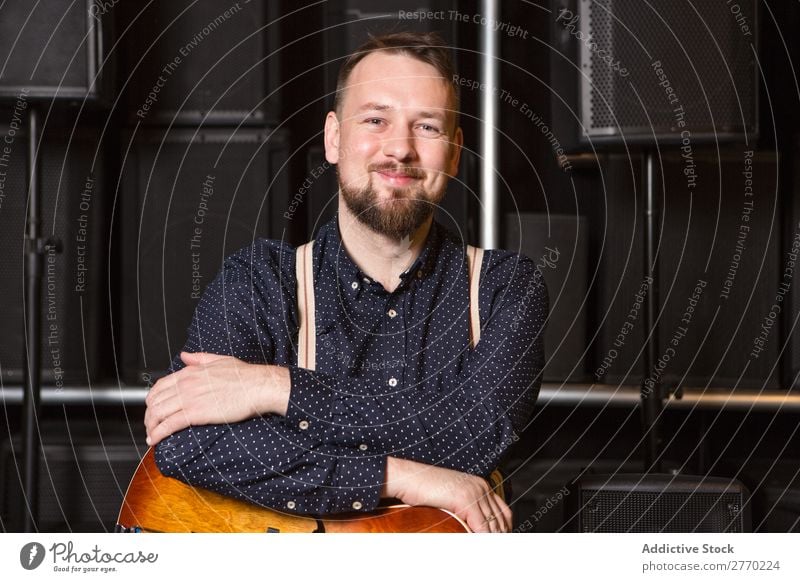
(325, 379)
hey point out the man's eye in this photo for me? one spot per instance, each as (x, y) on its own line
(431, 129)
(374, 121)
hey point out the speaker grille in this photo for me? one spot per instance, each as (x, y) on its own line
(663, 512)
(702, 49)
(661, 503)
(52, 49)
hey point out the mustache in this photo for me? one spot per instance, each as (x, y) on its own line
(397, 169)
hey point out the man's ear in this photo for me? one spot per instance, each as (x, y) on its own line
(332, 138)
(455, 151)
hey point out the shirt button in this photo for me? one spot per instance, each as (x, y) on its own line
(392, 382)
(362, 447)
(419, 274)
(303, 424)
(357, 505)
(391, 313)
(290, 505)
(354, 285)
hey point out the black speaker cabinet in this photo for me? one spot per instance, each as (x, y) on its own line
(187, 62)
(632, 72)
(190, 198)
(658, 503)
(719, 272)
(774, 483)
(81, 484)
(721, 286)
(558, 244)
(75, 308)
(55, 49)
(620, 290)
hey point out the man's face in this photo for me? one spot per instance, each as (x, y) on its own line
(394, 142)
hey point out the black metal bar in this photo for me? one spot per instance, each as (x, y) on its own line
(32, 357)
(651, 391)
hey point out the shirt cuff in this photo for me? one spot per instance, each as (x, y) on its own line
(359, 480)
(312, 399)
(356, 486)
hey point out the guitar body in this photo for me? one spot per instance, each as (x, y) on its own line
(155, 503)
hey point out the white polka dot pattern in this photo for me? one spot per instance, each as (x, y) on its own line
(447, 404)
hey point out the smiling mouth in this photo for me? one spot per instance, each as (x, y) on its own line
(396, 177)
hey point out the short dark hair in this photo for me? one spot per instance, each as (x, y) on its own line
(427, 47)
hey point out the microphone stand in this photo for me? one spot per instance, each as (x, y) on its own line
(35, 249)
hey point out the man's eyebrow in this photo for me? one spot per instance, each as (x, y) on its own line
(434, 114)
(372, 106)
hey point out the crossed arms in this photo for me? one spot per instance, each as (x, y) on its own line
(236, 417)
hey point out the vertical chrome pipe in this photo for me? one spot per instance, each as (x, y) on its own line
(489, 73)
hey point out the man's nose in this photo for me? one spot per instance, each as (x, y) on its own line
(399, 144)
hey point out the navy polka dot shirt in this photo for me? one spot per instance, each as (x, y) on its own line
(395, 374)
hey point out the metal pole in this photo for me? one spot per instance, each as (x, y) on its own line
(32, 356)
(651, 395)
(489, 108)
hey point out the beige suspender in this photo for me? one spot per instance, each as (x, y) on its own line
(474, 261)
(307, 336)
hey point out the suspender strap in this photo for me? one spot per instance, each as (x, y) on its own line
(307, 336)
(474, 261)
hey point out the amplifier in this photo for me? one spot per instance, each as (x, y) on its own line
(657, 503)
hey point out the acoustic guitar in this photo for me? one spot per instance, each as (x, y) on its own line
(155, 503)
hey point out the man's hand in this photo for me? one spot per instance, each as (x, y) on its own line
(214, 389)
(468, 496)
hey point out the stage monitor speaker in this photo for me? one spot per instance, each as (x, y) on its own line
(55, 50)
(539, 487)
(634, 73)
(75, 309)
(198, 61)
(81, 484)
(558, 244)
(190, 198)
(774, 483)
(658, 503)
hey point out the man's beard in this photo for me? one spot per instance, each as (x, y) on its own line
(397, 219)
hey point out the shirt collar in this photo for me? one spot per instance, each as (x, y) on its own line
(348, 272)
(424, 263)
